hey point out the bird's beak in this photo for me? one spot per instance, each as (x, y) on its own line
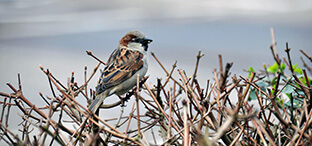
(145, 43)
(148, 41)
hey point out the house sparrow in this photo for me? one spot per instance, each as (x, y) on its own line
(123, 65)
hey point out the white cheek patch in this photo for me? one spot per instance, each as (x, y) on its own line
(136, 47)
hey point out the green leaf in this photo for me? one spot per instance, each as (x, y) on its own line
(305, 81)
(263, 85)
(250, 70)
(298, 70)
(295, 66)
(299, 93)
(252, 95)
(273, 68)
(266, 79)
(283, 66)
(296, 103)
(280, 101)
(254, 92)
(273, 82)
(288, 89)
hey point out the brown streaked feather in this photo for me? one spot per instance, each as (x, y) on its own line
(126, 39)
(121, 65)
(113, 56)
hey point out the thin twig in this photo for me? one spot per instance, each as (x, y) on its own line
(306, 55)
(90, 53)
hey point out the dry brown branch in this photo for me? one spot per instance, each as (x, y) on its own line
(219, 113)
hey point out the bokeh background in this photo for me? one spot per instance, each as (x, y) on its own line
(56, 34)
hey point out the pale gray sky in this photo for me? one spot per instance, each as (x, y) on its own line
(43, 18)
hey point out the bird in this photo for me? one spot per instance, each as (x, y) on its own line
(127, 61)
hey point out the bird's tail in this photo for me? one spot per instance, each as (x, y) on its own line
(97, 102)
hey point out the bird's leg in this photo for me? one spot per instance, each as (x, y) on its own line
(122, 101)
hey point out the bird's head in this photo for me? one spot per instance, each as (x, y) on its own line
(135, 40)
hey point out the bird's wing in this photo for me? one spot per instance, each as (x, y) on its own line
(122, 64)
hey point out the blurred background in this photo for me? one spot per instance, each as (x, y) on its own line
(56, 34)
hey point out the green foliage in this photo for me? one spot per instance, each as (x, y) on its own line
(254, 92)
(250, 70)
(283, 66)
(296, 103)
(275, 68)
(288, 89)
(294, 95)
(297, 69)
(305, 81)
(252, 95)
